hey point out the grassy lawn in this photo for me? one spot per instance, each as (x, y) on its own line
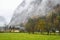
(26, 36)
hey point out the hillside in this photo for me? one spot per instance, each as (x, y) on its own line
(29, 8)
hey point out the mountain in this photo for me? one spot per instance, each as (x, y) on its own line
(2, 21)
(30, 8)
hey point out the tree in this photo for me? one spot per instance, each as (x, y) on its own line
(40, 25)
(30, 25)
(21, 25)
(50, 18)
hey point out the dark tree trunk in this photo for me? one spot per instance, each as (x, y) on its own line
(48, 32)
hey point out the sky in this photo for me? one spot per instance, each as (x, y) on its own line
(7, 8)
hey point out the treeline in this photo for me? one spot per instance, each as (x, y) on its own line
(49, 23)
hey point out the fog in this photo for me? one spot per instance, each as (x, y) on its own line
(7, 8)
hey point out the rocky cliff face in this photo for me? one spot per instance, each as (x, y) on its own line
(29, 8)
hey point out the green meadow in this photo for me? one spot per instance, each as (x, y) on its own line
(26, 36)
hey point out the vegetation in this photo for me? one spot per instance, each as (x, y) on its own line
(49, 23)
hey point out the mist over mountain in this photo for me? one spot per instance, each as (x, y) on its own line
(30, 8)
(2, 21)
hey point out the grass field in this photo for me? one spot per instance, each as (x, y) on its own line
(26, 36)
